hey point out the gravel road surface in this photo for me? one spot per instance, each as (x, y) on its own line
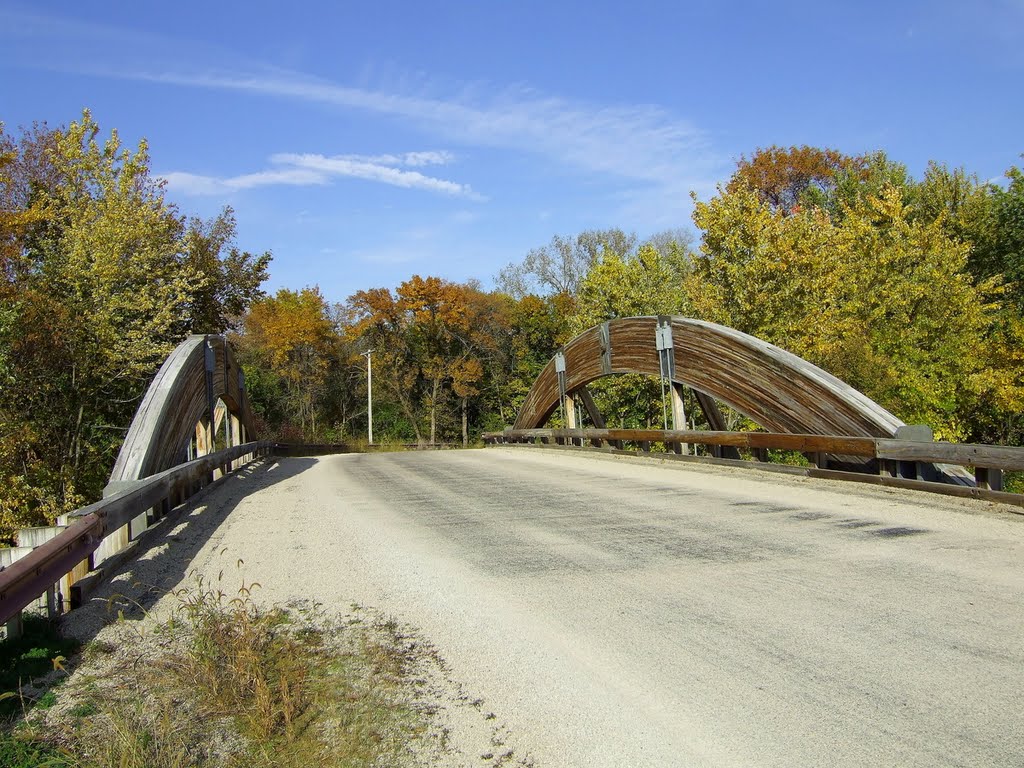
(620, 612)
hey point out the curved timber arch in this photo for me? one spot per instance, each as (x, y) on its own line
(184, 394)
(775, 388)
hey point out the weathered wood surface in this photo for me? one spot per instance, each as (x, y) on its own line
(776, 389)
(852, 446)
(989, 456)
(962, 454)
(175, 402)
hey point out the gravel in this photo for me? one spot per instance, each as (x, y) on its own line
(591, 611)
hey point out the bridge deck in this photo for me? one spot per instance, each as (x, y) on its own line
(614, 612)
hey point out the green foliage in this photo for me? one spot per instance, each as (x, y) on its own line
(1000, 244)
(19, 752)
(877, 297)
(646, 282)
(99, 280)
(29, 658)
(536, 327)
(232, 278)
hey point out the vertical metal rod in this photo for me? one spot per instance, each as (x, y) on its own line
(369, 396)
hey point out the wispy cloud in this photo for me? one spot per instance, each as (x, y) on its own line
(382, 169)
(640, 142)
(643, 143)
(196, 184)
(314, 169)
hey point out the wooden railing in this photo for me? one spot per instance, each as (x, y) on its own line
(894, 462)
(25, 580)
(897, 463)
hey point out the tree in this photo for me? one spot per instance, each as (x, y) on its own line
(876, 297)
(560, 266)
(671, 242)
(95, 291)
(999, 250)
(529, 331)
(291, 335)
(786, 178)
(644, 283)
(430, 340)
(231, 277)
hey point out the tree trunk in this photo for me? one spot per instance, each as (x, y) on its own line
(465, 426)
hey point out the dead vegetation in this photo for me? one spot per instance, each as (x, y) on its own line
(224, 682)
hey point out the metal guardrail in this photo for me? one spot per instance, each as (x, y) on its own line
(26, 579)
(987, 461)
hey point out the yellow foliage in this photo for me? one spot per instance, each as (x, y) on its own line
(876, 297)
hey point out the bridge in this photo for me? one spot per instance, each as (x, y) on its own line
(619, 597)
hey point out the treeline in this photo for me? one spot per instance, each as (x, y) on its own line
(909, 289)
(100, 278)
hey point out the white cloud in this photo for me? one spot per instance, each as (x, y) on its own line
(195, 184)
(372, 169)
(312, 169)
(417, 159)
(640, 142)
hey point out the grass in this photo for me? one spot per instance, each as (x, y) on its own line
(225, 682)
(25, 663)
(28, 659)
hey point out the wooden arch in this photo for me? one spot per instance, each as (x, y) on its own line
(201, 370)
(776, 389)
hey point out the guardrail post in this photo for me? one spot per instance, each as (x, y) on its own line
(679, 417)
(14, 628)
(989, 479)
(570, 417)
(917, 433)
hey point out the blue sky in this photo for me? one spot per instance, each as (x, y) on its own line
(366, 142)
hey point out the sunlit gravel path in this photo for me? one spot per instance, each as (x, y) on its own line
(617, 612)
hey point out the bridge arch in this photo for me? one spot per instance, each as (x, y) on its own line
(181, 403)
(777, 389)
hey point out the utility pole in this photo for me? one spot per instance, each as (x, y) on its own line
(369, 395)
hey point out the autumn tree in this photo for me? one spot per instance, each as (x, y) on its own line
(430, 338)
(879, 298)
(291, 337)
(785, 178)
(95, 290)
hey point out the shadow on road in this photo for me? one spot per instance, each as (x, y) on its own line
(165, 553)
